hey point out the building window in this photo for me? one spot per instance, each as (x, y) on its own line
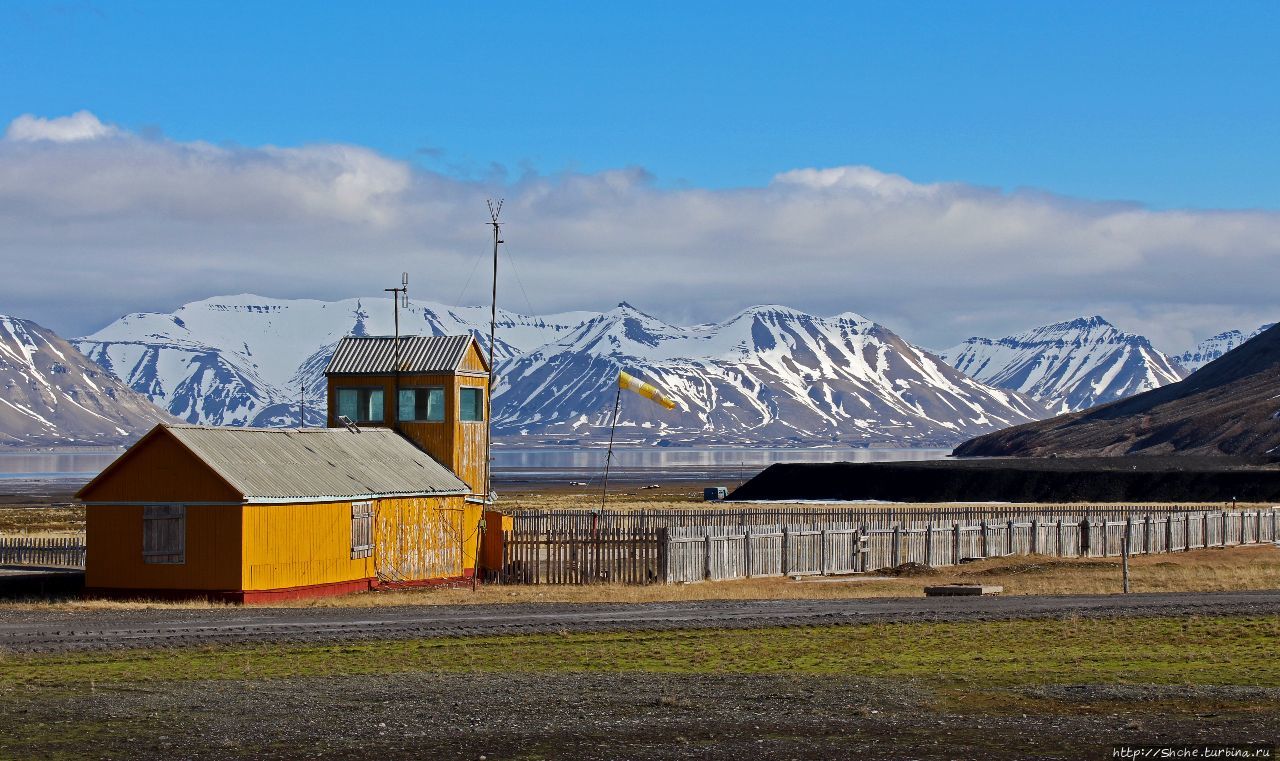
(361, 529)
(471, 404)
(421, 404)
(361, 405)
(164, 534)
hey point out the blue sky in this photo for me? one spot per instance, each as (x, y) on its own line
(946, 168)
(1169, 104)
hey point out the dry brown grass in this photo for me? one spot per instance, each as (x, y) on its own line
(42, 520)
(1237, 568)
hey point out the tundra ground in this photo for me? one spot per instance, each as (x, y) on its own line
(1066, 688)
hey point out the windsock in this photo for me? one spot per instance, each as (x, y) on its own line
(644, 389)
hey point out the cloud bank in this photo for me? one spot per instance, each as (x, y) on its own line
(96, 221)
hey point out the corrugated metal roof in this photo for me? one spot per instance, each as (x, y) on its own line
(418, 354)
(276, 464)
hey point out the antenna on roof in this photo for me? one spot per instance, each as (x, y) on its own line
(397, 295)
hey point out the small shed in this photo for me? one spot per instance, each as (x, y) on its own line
(260, 514)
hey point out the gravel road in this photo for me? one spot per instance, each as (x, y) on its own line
(54, 630)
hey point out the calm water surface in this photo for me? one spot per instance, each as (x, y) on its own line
(532, 464)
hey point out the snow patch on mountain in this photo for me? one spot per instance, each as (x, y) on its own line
(1215, 346)
(769, 374)
(51, 394)
(1069, 365)
(244, 360)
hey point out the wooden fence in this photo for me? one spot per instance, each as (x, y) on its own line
(672, 553)
(817, 516)
(580, 557)
(42, 551)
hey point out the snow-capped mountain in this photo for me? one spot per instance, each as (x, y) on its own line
(1068, 365)
(51, 394)
(242, 360)
(1211, 348)
(767, 375)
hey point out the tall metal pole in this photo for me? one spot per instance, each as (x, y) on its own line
(608, 455)
(494, 211)
(396, 294)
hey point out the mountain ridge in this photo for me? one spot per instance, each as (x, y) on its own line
(1070, 365)
(53, 395)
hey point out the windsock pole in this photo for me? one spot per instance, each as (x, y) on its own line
(608, 457)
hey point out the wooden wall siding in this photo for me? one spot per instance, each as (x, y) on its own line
(300, 545)
(424, 538)
(471, 443)
(160, 469)
(113, 535)
(473, 361)
(727, 551)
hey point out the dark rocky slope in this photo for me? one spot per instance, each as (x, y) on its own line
(1230, 406)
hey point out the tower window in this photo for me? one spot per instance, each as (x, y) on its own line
(421, 404)
(363, 405)
(471, 404)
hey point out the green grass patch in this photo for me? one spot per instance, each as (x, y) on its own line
(1197, 650)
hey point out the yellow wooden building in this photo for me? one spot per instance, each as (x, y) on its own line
(247, 514)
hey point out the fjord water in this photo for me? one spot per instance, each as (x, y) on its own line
(532, 464)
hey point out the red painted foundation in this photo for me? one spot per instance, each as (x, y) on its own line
(267, 596)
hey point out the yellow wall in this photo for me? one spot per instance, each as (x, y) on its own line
(113, 535)
(424, 538)
(305, 544)
(262, 547)
(299, 545)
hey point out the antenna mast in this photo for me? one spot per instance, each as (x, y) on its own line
(494, 211)
(397, 295)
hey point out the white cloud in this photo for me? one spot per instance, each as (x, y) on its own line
(91, 228)
(81, 125)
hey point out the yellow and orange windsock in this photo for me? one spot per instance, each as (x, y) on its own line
(629, 383)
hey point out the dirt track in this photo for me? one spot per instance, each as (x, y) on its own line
(47, 631)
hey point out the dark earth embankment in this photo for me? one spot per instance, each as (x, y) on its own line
(1109, 479)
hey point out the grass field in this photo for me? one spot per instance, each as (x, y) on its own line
(957, 656)
(929, 690)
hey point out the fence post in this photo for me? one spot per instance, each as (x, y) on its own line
(1085, 546)
(986, 549)
(786, 547)
(1008, 538)
(897, 545)
(746, 554)
(1035, 536)
(664, 556)
(928, 544)
(706, 555)
(822, 552)
(1058, 532)
(955, 542)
